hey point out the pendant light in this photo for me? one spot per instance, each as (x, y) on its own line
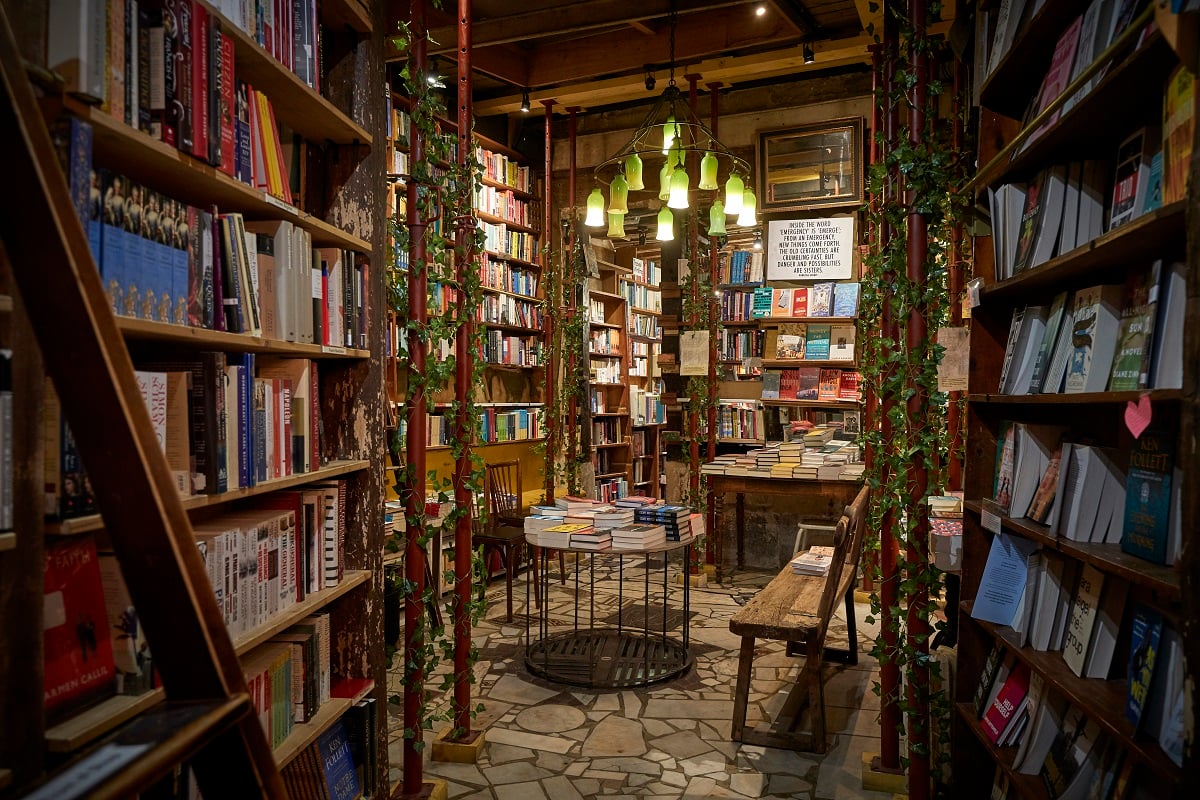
(678, 197)
(716, 218)
(666, 226)
(746, 218)
(670, 129)
(618, 195)
(595, 209)
(708, 171)
(664, 180)
(734, 191)
(633, 172)
(616, 225)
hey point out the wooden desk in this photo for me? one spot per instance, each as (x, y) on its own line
(820, 500)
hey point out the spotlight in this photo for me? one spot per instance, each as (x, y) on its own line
(525, 101)
(760, 10)
(435, 80)
(641, 234)
(758, 244)
(809, 55)
(650, 81)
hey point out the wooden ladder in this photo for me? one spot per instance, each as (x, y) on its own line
(208, 718)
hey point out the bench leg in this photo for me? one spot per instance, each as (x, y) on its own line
(741, 692)
(816, 696)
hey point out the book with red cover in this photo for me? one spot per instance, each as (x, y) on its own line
(828, 387)
(800, 302)
(78, 649)
(227, 115)
(1058, 75)
(200, 87)
(849, 387)
(1003, 709)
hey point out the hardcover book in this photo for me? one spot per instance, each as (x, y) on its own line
(1094, 326)
(800, 302)
(827, 386)
(820, 301)
(781, 303)
(841, 342)
(1179, 102)
(770, 384)
(1131, 365)
(845, 299)
(1148, 489)
(790, 343)
(809, 381)
(816, 347)
(77, 647)
(1144, 636)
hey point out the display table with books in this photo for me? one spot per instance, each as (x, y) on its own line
(643, 640)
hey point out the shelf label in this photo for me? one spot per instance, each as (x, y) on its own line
(332, 350)
(810, 249)
(990, 520)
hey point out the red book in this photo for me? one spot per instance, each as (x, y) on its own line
(200, 121)
(1003, 709)
(829, 384)
(227, 87)
(800, 302)
(77, 646)
(849, 385)
(314, 420)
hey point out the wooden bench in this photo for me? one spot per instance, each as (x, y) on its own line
(797, 609)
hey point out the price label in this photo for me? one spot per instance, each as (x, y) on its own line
(990, 520)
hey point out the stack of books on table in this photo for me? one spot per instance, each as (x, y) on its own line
(548, 511)
(639, 537)
(677, 520)
(558, 536)
(634, 501)
(573, 505)
(591, 538)
(613, 518)
(814, 561)
(718, 465)
(536, 523)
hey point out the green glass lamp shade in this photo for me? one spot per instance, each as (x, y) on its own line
(746, 217)
(616, 224)
(618, 195)
(595, 209)
(708, 171)
(633, 172)
(716, 218)
(678, 197)
(664, 180)
(734, 191)
(669, 133)
(666, 226)
(678, 155)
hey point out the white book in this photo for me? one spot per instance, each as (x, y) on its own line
(1047, 722)
(1112, 503)
(1033, 456)
(1050, 574)
(1056, 369)
(1033, 330)
(1096, 320)
(1167, 367)
(1019, 633)
(1085, 51)
(1091, 202)
(1082, 621)
(1007, 22)
(1068, 231)
(1108, 624)
(1014, 208)
(1050, 217)
(1166, 688)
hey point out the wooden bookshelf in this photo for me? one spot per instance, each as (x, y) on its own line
(305, 733)
(203, 338)
(99, 719)
(8, 541)
(335, 469)
(277, 624)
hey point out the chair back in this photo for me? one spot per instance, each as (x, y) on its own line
(503, 491)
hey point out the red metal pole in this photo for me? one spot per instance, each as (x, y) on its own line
(870, 396)
(572, 310)
(553, 426)
(713, 273)
(957, 265)
(694, 263)
(917, 408)
(889, 670)
(464, 368)
(414, 501)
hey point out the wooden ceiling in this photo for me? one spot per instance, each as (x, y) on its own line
(595, 53)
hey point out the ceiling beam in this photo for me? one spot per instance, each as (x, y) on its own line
(800, 16)
(566, 19)
(730, 70)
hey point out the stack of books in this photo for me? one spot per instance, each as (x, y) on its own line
(557, 536)
(677, 520)
(814, 561)
(634, 501)
(639, 537)
(819, 458)
(613, 518)
(591, 539)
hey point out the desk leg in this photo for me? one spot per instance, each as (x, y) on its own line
(741, 694)
(740, 512)
(717, 531)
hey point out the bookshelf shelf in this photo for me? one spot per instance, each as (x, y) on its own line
(1086, 398)
(503, 326)
(1025, 786)
(305, 733)
(611, 444)
(142, 329)
(8, 541)
(605, 325)
(334, 469)
(513, 259)
(1112, 250)
(177, 174)
(775, 363)
(314, 602)
(506, 293)
(488, 444)
(296, 105)
(508, 223)
(518, 193)
(838, 404)
(1105, 699)
(97, 720)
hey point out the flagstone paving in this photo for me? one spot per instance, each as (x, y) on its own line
(669, 740)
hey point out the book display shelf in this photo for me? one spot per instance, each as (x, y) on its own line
(250, 309)
(1077, 474)
(509, 400)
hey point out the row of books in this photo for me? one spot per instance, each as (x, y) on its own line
(740, 267)
(503, 309)
(499, 240)
(736, 345)
(504, 204)
(608, 461)
(646, 407)
(739, 420)
(169, 70)
(519, 351)
(1058, 742)
(596, 312)
(288, 678)
(816, 460)
(604, 341)
(612, 488)
(825, 299)
(499, 274)
(812, 383)
(399, 123)
(400, 162)
(638, 349)
(606, 371)
(607, 430)
(644, 325)
(813, 561)
(1103, 338)
(643, 297)
(797, 341)
(496, 426)
(500, 168)
(644, 366)
(647, 270)
(1085, 493)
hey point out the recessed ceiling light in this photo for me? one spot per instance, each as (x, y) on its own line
(760, 9)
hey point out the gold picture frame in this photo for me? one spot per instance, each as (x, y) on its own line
(813, 166)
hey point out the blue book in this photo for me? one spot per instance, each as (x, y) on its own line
(337, 766)
(1154, 186)
(845, 300)
(1148, 497)
(816, 346)
(1144, 636)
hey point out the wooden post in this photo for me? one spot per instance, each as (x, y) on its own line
(553, 426)
(415, 414)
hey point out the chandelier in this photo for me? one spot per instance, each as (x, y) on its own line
(673, 135)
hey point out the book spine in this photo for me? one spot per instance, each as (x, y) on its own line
(201, 95)
(184, 58)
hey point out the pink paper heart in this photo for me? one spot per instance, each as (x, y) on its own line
(1138, 415)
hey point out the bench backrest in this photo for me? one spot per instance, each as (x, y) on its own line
(847, 550)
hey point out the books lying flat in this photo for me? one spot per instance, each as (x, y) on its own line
(591, 540)
(814, 561)
(557, 535)
(639, 537)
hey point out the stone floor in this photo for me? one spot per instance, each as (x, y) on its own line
(669, 740)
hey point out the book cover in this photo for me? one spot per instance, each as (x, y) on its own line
(1030, 220)
(1131, 364)
(820, 301)
(841, 342)
(1003, 581)
(1154, 185)
(1144, 636)
(77, 646)
(845, 299)
(800, 302)
(1001, 714)
(770, 384)
(762, 303)
(827, 386)
(1094, 324)
(791, 341)
(1006, 458)
(1082, 619)
(1179, 101)
(131, 651)
(1044, 496)
(1050, 334)
(1148, 497)
(1068, 753)
(1058, 75)
(1131, 177)
(808, 383)
(816, 346)
(781, 302)
(850, 385)
(987, 676)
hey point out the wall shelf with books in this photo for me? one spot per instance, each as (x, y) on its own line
(1080, 399)
(203, 338)
(306, 733)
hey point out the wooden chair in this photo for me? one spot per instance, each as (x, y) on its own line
(797, 609)
(504, 529)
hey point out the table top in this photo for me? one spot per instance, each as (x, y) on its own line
(666, 548)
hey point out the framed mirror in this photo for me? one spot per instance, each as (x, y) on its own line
(811, 166)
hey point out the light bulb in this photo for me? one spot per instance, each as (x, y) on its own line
(618, 194)
(746, 218)
(734, 189)
(666, 226)
(716, 218)
(633, 171)
(595, 209)
(664, 180)
(708, 171)
(669, 129)
(616, 224)
(678, 197)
